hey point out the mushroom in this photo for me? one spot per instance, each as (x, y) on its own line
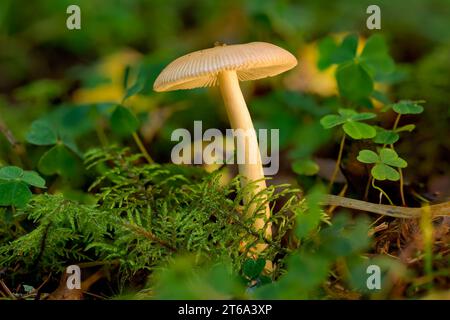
(225, 66)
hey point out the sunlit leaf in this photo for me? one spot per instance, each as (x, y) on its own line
(391, 158)
(408, 127)
(382, 172)
(386, 136)
(331, 120)
(368, 156)
(407, 107)
(358, 130)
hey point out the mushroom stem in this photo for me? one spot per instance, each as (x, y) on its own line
(251, 169)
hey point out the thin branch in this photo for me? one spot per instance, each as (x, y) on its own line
(441, 209)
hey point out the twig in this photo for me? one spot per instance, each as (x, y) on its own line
(441, 209)
(7, 290)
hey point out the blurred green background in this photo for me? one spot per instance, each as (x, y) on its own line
(74, 76)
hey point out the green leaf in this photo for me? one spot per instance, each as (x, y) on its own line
(327, 48)
(123, 121)
(134, 89)
(347, 50)
(382, 171)
(407, 107)
(347, 113)
(331, 120)
(305, 167)
(386, 136)
(376, 56)
(358, 130)
(353, 81)
(368, 156)
(363, 116)
(390, 157)
(14, 193)
(408, 127)
(58, 160)
(34, 179)
(10, 173)
(253, 268)
(42, 133)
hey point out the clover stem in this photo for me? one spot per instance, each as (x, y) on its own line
(142, 148)
(402, 193)
(338, 162)
(250, 167)
(382, 192)
(101, 134)
(397, 120)
(366, 192)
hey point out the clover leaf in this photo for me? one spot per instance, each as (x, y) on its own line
(384, 163)
(62, 157)
(354, 81)
(386, 136)
(356, 73)
(14, 185)
(391, 136)
(350, 121)
(407, 107)
(375, 55)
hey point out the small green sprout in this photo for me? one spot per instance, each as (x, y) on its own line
(350, 121)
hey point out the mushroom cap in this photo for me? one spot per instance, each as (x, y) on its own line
(251, 61)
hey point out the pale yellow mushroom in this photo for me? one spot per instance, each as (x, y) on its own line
(225, 66)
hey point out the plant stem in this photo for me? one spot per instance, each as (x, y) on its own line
(402, 193)
(382, 192)
(338, 162)
(397, 120)
(142, 148)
